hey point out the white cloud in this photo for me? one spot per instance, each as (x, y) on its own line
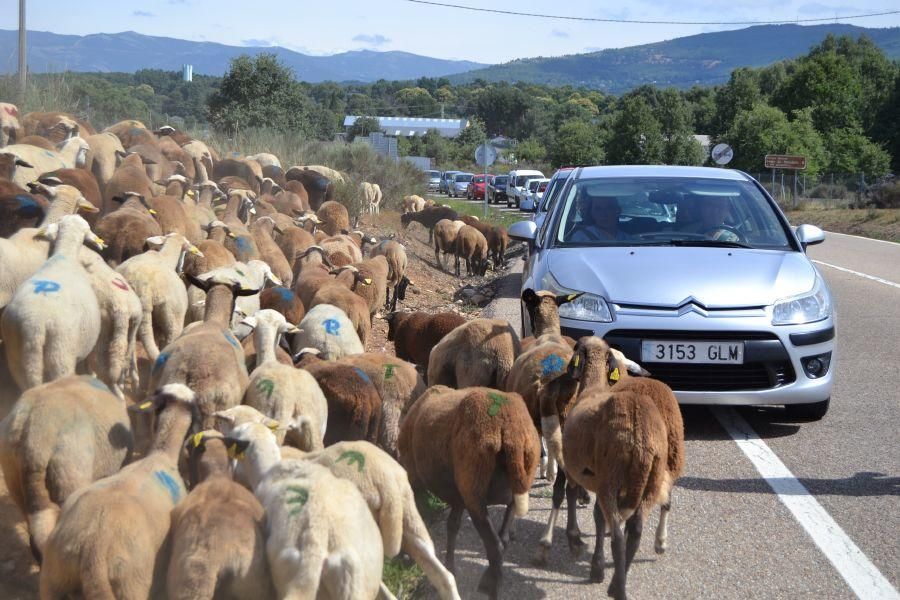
(372, 40)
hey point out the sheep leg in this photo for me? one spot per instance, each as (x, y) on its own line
(490, 581)
(421, 550)
(662, 530)
(453, 522)
(457, 265)
(616, 588)
(507, 532)
(598, 567)
(559, 492)
(633, 529)
(384, 593)
(573, 533)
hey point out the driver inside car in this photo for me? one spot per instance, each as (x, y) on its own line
(713, 213)
(600, 219)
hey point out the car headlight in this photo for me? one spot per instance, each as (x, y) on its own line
(812, 306)
(587, 307)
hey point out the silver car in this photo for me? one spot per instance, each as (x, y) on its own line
(696, 274)
(459, 184)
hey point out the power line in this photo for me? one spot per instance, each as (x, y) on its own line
(647, 22)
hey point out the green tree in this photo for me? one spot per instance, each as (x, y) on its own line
(679, 145)
(531, 151)
(362, 127)
(259, 92)
(849, 151)
(635, 136)
(469, 138)
(415, 101)
(502, 109)
(577, 143)
(740, 93)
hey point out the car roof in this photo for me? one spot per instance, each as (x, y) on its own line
(660, 171)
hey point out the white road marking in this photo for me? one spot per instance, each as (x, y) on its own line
(860, 237)
(857, 570)
(858, 274)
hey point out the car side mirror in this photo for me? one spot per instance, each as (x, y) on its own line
(810, 235)
(524, 231)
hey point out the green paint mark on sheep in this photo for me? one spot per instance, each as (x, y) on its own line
(497, 401)
(266, 386)
(168, 482)
(389, 371)
(45, 287)
(353, 456)
(297, 496)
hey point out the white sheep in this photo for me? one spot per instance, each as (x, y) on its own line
(321, 538)
(329, 330)
(254, 274)
(60, 437)
(72, 154)
(154, 275)
(110, 539)
(53, 319)
(290, 396)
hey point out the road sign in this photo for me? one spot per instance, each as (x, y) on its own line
(722, 154)
(485, 155)
(785, 161)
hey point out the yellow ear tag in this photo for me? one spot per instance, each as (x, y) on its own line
(367, 281)
(571, 297)
(145, 405)
(152, 212)
(231, 235)
(614, 374)
(576, 360)
(198, 437)
(233, 452)
(273, 425)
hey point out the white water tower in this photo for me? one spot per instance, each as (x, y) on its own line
(187, 72)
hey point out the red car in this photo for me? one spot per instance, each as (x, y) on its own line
(475, 190)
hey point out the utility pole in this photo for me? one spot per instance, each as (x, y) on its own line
(23, 65)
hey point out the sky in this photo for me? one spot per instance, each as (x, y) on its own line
(341, 25)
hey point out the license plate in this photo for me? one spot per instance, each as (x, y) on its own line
(708, 353)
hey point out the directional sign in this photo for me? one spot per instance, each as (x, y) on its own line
(785, 161)
(722, 154)
(485, 155)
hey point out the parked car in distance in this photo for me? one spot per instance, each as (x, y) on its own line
(534, 191)
(553, 191)
(755, 325)
(459, 184)
(434, 180)
(515, 187)
(496, 189)
(475, 190)
(446, 177)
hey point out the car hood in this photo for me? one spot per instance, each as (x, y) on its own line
(671, 276)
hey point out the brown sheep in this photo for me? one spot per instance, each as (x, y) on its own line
(415, 334)
(356, 308)
(371, 284)
(218, 531)
(354, 406)
(445, 232)
(263, 231)
(615, 443)
(38, 141)
(126, 230)
(478, 352)
(156, 164)
(55, 126)
(81, 179)
(19, 209)
(175, 154)
(231, 167)
(429, 217)
(317, 186)
(283, 300)
(131, 133)
(106, 152)
(179, 137)
(310, 281)
(397, 262)
(292, 241)
(496, 235)
(129, 176)
(472, 448)
(334, 217)
(472, 246)
(276, 174)
(173, 216)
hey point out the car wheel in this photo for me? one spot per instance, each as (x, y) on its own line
(812, 411)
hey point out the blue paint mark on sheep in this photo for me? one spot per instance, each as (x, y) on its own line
(362, 375)
(45, 287)
(243, 244)
(285, 294)
(96, 383)
(231, 339)
(27, 206)
(553, 363)
(332, 326)
(160, 361)
(168, 482)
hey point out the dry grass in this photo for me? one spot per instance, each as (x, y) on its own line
(878, 223)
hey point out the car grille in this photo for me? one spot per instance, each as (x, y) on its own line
(767, 363)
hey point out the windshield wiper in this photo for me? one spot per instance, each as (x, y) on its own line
(710, 243)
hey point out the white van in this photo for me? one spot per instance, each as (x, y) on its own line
(515, 190)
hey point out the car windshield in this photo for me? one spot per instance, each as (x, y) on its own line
(668, 211)
(434, 174)
(555, 190)
(542, 187)
(463, 178)
(521, 179)
(501, 180)
(532, 185)
(478, 179)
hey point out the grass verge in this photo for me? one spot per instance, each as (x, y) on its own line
(877, 223)
(401, 575)
(476, 209)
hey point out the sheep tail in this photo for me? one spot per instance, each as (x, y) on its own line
(42, 512)
(305, 435)
(340, 573)
(117, 351)
(31, 359)
(390, 522)
(519, 479)
(145, 331)
(552, 433)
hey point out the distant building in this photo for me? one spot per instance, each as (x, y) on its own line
(187, 72)
(704, 141)
(382, 144)
(412, 126)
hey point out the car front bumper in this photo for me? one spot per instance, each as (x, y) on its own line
(773, 370)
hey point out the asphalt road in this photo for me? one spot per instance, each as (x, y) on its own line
(730, 534)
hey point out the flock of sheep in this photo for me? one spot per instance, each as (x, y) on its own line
(199, 417)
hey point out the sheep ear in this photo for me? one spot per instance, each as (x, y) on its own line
(199, 283)
(240, 291)
(157, 240)
(560, 300)
(22, 163)
(236, 447)
(529, 297)
(250, 322)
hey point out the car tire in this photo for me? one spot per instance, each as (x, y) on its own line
(812, 411)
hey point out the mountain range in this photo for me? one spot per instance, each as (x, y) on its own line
(129, 51)
(703, 59)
